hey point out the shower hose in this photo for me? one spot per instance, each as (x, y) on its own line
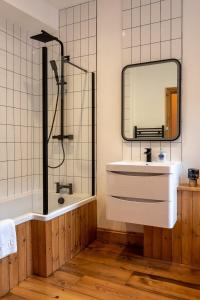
(51, 130)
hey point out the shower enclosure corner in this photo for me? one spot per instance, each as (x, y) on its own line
(68, 127)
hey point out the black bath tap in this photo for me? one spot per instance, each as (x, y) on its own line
(59, 187)
(148, 154)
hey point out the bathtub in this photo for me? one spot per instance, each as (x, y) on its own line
(28, 206)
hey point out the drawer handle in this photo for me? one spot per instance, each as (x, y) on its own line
(138, 199)
(136, 173)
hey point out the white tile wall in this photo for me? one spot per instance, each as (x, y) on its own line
(18, 89)
(154, 33)
(78, 32)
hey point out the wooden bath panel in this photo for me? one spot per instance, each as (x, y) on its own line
(43, 247)
(57, 241)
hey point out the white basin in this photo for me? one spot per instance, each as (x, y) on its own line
(144, 167)
(143, 193)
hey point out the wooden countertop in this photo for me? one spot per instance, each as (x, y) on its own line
(186, 187)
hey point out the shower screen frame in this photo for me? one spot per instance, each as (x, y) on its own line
(45, 130)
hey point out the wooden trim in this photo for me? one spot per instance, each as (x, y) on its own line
(119, 237)
(186, 187)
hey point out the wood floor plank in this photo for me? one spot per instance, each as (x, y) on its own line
(101, 289)
(136, 263)
(106, 290)
(112, 272)
(81, 267)
(61, 279)
(10, 296)
(48, 291)
(168, 289)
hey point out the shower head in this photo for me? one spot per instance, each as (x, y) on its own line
(44, 37)
(55, 70)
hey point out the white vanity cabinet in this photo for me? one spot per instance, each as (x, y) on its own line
(142, 193)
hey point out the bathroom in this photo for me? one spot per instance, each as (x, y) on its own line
(84, 212)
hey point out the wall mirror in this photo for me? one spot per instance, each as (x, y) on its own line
(151, 101)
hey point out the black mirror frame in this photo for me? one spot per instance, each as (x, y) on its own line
(179, 69)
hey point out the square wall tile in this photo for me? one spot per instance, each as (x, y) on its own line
(145, 34)
(176, 8)
(92, 9)
(155, 12)
(176, 28)
(165, 30)
(136, 36)
(136, 12)
(69, 15)
(155, 32)
(126, 38)
(145, 53)
(136, 55)
(126, 4)
(126, 19)
(145, 14)
(165, 9)
(84, 11)
(155, 51)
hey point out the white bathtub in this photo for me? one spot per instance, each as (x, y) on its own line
(29, 206)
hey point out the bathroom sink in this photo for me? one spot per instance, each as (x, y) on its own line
(144, 167)
(143, 193)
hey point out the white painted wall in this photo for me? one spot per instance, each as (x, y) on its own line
(191, 84)
(35, 15)
(108, 94)
(109, 64)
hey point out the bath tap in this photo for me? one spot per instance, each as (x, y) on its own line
(59, 187)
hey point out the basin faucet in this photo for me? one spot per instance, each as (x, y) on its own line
(148, 154)
(59, 187)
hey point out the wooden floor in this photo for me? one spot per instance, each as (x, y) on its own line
(110, 272)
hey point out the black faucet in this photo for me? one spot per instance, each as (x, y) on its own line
(148, 154)
(59, 187)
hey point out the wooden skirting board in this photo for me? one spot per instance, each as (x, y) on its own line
(43, 247)
(182, 243)
(121, 238)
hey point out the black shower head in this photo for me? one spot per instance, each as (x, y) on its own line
(44, 37)
(55, 69)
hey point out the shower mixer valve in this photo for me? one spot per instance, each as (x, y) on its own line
(62, 137)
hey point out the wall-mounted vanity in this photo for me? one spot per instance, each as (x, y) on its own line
(143, 193)
(151, 101)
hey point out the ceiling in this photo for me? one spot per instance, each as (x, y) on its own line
(65, 3)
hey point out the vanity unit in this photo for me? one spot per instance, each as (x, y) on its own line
(143, 193)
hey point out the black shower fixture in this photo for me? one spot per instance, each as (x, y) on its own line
(44, 37)
(55, 69)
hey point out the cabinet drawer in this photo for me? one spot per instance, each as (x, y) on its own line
(142, 211)
(136, 186)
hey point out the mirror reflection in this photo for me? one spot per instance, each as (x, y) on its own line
(151, 101)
